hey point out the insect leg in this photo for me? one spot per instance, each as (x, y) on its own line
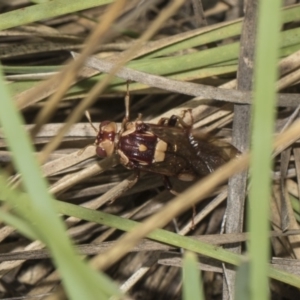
(168, 121)
(168, 186)
(137, 174)
(162, 121)
(193, 217)
(191, 115)
(174, 119)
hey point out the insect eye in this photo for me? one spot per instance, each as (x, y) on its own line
(101, 152)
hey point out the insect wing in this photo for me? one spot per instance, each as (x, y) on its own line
(214, 152)
(203, 153)
(172, 166)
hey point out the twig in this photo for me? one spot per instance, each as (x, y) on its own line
(187, 88)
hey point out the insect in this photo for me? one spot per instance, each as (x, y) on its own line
(168, 148)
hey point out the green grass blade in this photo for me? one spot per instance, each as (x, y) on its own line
(263, 109)
(168, 238)
(218, 33)
(17, 222)
(242, 282)
(221, 32)
(158, 234)
(38, 209)
(45, 10)
(192, 283)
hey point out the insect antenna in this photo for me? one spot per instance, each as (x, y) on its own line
(127, 102)
(88, 116)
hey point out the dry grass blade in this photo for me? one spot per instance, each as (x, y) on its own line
(145, 34)
(237, 185)
(186, 88)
